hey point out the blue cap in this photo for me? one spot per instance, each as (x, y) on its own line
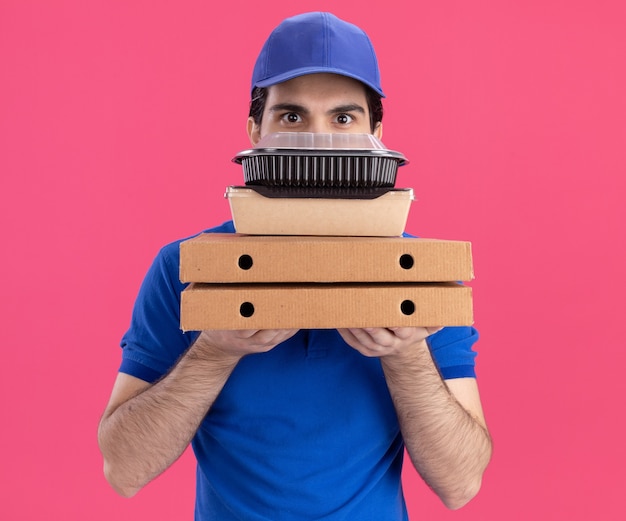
(311, 43)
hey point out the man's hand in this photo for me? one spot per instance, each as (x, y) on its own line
(238, 343)
(380, 341)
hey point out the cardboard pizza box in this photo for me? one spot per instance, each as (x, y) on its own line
(212, 257)
(324, 306)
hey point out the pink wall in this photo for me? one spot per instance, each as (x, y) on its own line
(118, 120)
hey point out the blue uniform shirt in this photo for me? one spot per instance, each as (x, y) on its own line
(305, 431)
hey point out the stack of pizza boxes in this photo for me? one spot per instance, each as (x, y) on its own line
(320, 244)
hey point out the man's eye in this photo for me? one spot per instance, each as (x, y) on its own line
(344, 119)
(291, 117)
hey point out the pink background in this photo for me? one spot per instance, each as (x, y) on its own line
(118, 120)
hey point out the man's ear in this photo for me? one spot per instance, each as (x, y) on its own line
(254, 131)
(378, 130)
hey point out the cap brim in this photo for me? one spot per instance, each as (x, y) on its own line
(280, 78)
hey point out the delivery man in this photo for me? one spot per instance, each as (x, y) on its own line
(296, 424)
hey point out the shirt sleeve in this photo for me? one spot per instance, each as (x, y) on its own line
(154, 340)
(452, 350)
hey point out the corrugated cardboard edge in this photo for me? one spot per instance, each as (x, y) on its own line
(212, 257)
(324, 306)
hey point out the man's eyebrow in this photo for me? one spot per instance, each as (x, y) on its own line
(301, 109)
(289, 107)
(351, 107)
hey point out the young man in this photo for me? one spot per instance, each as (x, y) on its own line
(288, 424)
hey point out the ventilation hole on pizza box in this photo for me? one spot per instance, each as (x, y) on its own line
(407, 307)
(246, 309)
(245, 262)
(406, 261)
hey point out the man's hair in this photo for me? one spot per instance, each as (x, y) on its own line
(374, 104)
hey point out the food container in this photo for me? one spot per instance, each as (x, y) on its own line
(381, 216)
(306, 159)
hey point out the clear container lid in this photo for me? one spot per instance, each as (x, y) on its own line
(312, 143)
(312, 140)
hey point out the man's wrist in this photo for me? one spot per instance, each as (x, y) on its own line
(206, 351)
(411, 356)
